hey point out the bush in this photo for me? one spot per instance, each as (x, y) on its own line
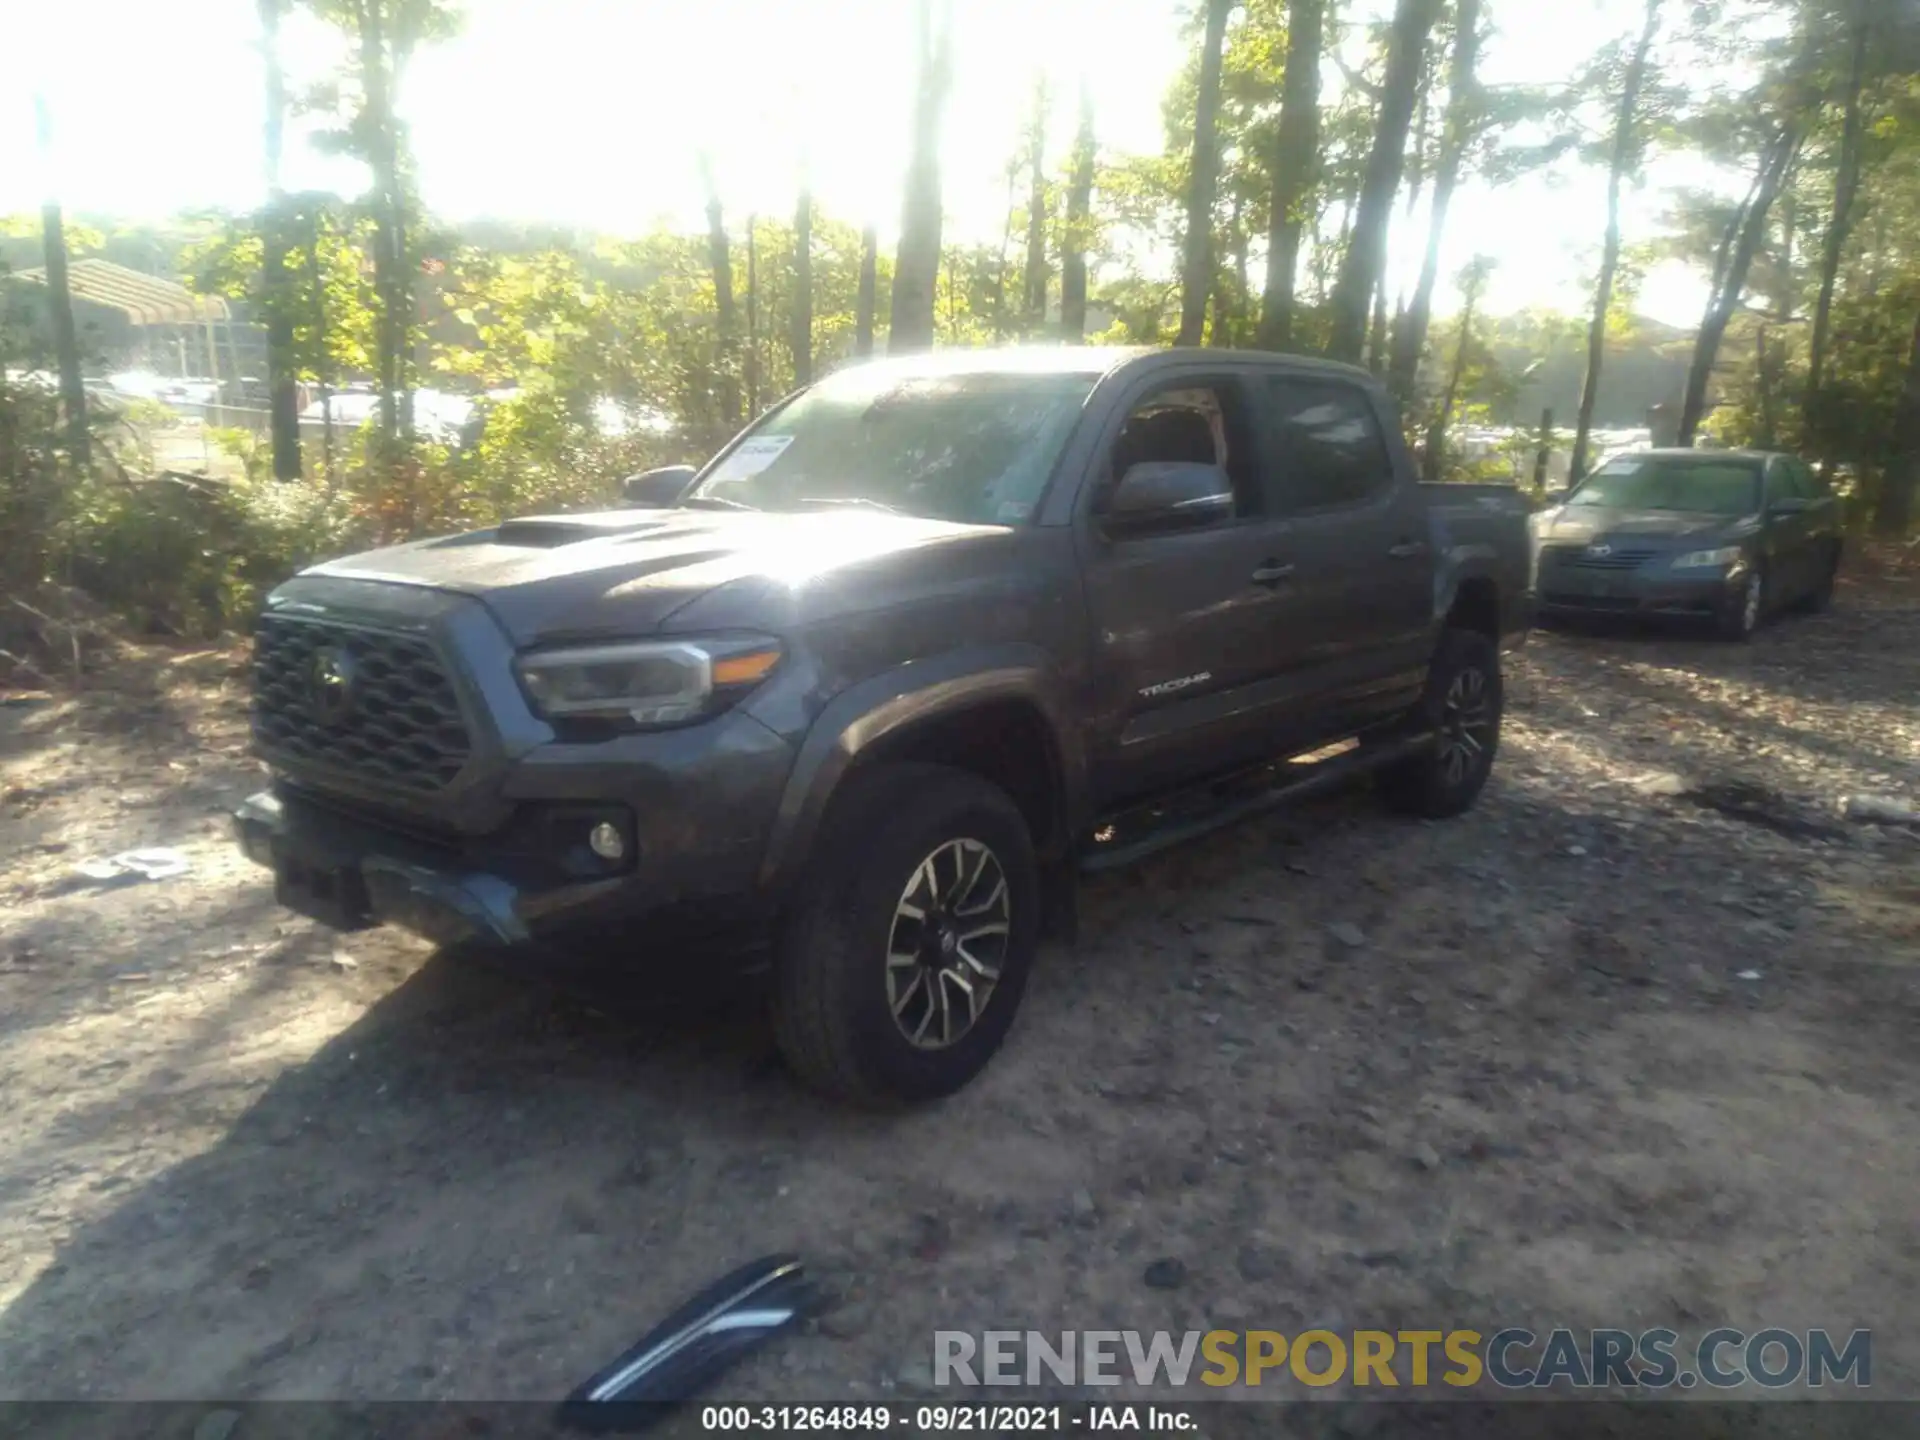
(196, 557)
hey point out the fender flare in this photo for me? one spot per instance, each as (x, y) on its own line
(883, 705)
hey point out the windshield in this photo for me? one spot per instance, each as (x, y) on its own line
(1703, 486)
(971, 448)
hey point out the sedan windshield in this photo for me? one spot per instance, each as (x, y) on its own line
(971, 448)
(1649, 482)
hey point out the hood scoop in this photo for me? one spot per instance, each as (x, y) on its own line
(549, 532)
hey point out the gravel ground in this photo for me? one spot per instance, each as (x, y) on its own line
(1632, 1044)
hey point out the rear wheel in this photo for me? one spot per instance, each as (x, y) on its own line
(907, 952)
(1462, 706)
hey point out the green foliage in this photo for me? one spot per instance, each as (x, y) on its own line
(330, 298)
(590, 358)
(196, 558)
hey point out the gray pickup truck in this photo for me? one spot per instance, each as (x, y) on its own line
(920, 645)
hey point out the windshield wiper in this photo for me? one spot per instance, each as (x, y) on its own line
(860, 500)
(715, 502)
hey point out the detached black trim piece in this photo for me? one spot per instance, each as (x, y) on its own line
(692, 1347)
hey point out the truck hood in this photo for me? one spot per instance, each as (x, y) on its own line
(1586, 524)
(562, 578)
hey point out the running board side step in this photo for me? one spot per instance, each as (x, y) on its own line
(1333, 774)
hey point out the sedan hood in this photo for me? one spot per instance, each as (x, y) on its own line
(1587, 524)
(563, 578)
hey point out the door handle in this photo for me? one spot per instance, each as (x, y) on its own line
(1408, 549)
(1272, 573)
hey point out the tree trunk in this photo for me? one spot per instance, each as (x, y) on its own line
(1431, 462)
(916, 266)
(720, 261)
(952, 263)
(1893, 515)
(1763, 390)
(1731, 276)
(1625, 136)
(1377, 333)
(322, 355)
(1035, 297)
(1416, 177)
(283, 402)
(1226, 294)
(1295, 163)
(1463, 114)
(1073, 254)
(752, 365)
(1361, 267)
(1846, 184)
(1196, 270)
(390, 280)
(1002, 312)
(1326, 258)
(1876, 255)
(863, 304)
(803, 290)
(1239, 309)
(66, 338)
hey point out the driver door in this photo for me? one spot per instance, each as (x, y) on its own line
(1183, 622)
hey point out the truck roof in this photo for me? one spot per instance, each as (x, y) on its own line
(1086, 360)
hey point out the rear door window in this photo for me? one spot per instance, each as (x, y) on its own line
(1326, 444)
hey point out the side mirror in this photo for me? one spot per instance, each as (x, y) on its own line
(659, 489)
(1161, 495)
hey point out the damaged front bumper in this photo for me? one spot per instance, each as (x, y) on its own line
(350, 874)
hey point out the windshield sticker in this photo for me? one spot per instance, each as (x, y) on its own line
(752, 456)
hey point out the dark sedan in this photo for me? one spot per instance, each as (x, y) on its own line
(1729, 536)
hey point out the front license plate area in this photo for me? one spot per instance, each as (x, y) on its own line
(335, 895)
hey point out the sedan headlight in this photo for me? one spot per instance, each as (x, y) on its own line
(1702, 559)
(646, 684)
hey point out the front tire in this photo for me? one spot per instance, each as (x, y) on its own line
(1462, 706)
(906, 954)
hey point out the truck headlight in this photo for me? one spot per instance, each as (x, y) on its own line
(1702, 559)
(646, 684)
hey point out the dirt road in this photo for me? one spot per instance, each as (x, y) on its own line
(1632, 1044)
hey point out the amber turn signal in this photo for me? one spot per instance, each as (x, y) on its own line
(745, 669)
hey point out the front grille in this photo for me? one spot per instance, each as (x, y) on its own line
(399, 724)
(1581, 558)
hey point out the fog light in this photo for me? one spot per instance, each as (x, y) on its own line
(606, 841)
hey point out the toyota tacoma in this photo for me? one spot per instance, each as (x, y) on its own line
(925, 641)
